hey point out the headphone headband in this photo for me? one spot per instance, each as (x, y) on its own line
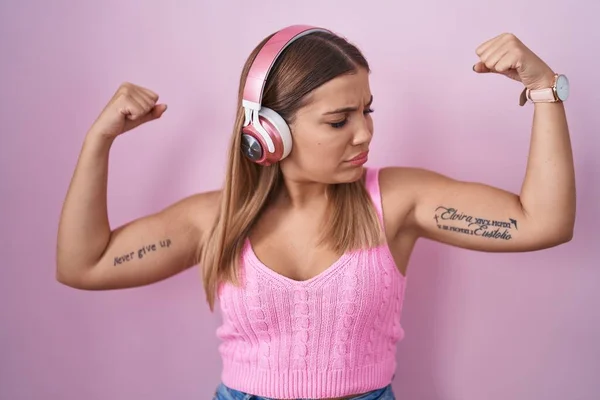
(266, 137)
(265, 59)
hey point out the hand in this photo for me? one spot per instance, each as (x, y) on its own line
(507, 55)
(130, 107)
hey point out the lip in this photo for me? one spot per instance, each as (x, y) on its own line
(360, 158)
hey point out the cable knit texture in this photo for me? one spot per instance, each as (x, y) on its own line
(330, 336)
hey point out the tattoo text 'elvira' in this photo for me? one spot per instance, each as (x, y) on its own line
(476, 226)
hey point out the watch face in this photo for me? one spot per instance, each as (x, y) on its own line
(562, 87)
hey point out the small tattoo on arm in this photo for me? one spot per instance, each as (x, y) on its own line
(475, 226)
(142, 252)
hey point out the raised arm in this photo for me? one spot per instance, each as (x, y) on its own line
(481, 217)
(89, 254)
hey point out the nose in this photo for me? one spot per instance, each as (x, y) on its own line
(363, 133)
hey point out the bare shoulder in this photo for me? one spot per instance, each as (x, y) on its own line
(410, 182)
(399, 178)
(396, 187)
(401, 187)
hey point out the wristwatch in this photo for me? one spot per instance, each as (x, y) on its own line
(559, 92)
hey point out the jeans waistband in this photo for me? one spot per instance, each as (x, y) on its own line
(225, 393)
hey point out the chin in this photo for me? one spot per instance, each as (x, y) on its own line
(349, 175)
(330, 175)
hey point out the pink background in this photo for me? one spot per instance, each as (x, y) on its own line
(478, 326)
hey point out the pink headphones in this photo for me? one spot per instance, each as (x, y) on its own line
(266, 137)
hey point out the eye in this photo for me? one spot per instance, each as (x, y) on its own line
(339, 124)
(343, 122)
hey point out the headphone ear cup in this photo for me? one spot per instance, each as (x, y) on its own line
(280, 134)
(267, 139)
(252, 147)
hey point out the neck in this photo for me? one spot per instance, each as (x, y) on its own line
(302, 195)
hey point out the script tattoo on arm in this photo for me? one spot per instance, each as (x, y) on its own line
(142, 252)
(473, 225)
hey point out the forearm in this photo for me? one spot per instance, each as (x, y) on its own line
(548, 191)
(84, 229)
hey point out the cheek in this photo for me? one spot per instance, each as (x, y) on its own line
(318, 145)
(329, 150)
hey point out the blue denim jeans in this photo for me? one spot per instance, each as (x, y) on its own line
(225, 393)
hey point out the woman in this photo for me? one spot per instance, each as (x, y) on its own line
(305, 248)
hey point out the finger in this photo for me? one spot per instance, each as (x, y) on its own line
(490, 60)
(156, 112)
(152, 95)
(147, 94)
(144, 100)
(506, 63)
(490, 52)
(133, 109)
(485, 45)
(495, 47)
(480, 67)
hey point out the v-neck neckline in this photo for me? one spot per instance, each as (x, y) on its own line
(257, 263)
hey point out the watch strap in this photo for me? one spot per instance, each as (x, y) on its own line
(546, 95)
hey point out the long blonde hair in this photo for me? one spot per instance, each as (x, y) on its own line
(352, 221)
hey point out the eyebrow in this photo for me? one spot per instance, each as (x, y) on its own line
(347, 109)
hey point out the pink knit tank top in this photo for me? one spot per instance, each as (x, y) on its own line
(333, 335)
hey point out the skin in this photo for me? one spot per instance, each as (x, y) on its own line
(323, 142)
(416, 202)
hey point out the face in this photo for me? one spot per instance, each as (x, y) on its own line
(332, 133)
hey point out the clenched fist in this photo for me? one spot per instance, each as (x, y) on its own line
(130, 107)
(507, 55)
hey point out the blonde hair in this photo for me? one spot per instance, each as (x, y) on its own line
(352, 221)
